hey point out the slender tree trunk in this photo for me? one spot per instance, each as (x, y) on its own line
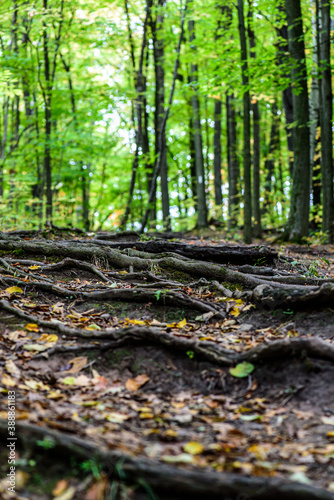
(256, 136)
(299, 206)
(198, 145)
(217, 151)
(163, 125)
(283, 49)
(192, 159)
(246, 123)
(326, 122)
(233, 163)
(158, 44)
(139, 105)
(315, 119)
(270, 162)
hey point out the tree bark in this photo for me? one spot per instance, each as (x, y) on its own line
(246, 124)
(198, 145)
(256, 136)
(283, 49)
(233, 163)
(217, 151)
(163, 125)
(300, 192)
(158, 44)
(326, 122)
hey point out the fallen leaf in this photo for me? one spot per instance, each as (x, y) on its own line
(8, 381)
(33, 268)
(133, 384)
(77, 364)
(67, 495)
(182, 323)
(60, 487)
(11, 368)
(193, 448)
(182, 458)
(14, 289)
(242, 370)
(32, 327)
(327, 420)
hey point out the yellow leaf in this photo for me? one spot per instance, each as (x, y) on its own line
(93, 326)
(135, 321)
(48, 337)
(170, 433)
(193, 448)
(31, 327)
(14, 289)
(146, 416)
(182, 323)
(133, 384)
(8, 381)
(330, 434)
(123, 272)
(234, 311)
(33, 268)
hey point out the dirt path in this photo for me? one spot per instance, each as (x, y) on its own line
(162, 369)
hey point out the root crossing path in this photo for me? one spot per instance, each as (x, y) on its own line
(163, 369)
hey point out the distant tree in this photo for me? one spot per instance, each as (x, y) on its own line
(300, 191)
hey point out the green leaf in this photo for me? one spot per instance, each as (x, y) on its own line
(242, 370)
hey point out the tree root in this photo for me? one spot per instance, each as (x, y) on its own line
(215, 353)
(162, 477)
(269, 298)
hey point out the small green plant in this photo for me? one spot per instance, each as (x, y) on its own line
(92, 466)
(191, 354)
(47, 444)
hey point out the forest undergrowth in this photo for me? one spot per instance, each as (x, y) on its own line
(164, 368)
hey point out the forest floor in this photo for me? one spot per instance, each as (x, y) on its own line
(158, 369)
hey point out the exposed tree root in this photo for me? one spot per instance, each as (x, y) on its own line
(267, 297)
(278, 349)
(219, 254)
(162, 477)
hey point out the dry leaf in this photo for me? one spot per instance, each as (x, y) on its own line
(14, 289)
(32, 327)
(193, 448)
(133, 384)
(77, 364)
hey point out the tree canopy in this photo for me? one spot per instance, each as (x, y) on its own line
(167, 114)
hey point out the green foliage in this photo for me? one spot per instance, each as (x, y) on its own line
(93, 99)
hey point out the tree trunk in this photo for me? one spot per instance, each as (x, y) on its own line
(283, 49)
(232, 162)
(198, 146)
(139, 106)
(217, 151)
(270, 162)
(256, 137)
(299, 206)
(158, 44)
(315, 119)
(163, 125)
(326, 122)
(246, 131)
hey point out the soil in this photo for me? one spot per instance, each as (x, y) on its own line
(122, 363)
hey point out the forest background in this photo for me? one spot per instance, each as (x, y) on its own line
(166, 115)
